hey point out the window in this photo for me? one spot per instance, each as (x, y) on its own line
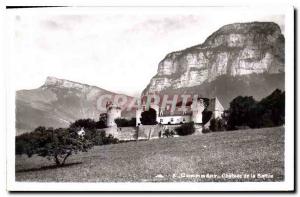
(161, 120)
(183, 119)
(172, 119)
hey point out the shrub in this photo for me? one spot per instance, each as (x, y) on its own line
(169, 133)
(110, 140)
(206, 130)
(186, 129)
(217, 124)
(100, 138)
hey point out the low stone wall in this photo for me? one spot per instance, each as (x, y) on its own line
(126, 133)
(143, 132)
(149, 132)
(122, 133)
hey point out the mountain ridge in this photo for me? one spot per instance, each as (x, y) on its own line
(54, 81)
(57, 103)
(234, 50)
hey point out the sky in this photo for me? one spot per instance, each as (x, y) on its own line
(116, 52)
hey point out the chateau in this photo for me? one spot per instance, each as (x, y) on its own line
(179, 114)
(167, 114)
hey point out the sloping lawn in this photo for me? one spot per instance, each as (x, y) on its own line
(222, 156)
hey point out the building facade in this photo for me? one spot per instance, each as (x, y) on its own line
(191, 112)
(170, 115)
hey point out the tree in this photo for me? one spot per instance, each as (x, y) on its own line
(273, 107)
(54, 144)
(240, 111)
(185, 129)
(89, 123)
(148, 117)
(84, 123)
(206, 116)
(245, 111)
(122, 122)
(102, 121)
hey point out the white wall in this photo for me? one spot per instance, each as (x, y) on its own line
(176, 119)
(217, 114)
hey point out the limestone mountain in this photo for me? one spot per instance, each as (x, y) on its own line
(237, 59)
(57, 103)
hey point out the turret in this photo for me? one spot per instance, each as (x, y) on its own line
(113, 112)
(198, 107)
(216, 107)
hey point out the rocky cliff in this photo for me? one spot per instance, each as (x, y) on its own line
(57, 103)
(234, 50)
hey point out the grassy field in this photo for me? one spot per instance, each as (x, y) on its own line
(245, 155)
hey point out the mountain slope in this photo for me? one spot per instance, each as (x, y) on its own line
(233, 51)
(226, 88)
(57, 103)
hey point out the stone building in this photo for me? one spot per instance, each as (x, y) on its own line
(167, 117)
(113, 112)
(192, 111)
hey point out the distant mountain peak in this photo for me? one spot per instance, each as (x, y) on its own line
(59, 102)
(64, 83)
(53, 80)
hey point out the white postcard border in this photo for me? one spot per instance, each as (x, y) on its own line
(287, 184)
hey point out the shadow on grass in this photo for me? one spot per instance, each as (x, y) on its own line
(48, 167)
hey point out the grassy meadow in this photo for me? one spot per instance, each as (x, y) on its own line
(243, 155)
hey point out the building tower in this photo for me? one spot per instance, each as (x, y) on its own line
(113, 112)
(198, 107)
(216, 107)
